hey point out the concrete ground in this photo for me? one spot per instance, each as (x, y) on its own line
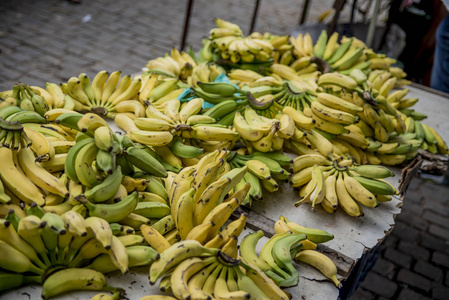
(52, 40)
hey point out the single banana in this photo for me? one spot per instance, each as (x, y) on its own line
(74, 279)
(321, 262)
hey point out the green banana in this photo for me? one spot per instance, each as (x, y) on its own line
(114, 212)
(152, 210)
(376, 187)
(71, 158)
(107, 188)
(182, 150)
(144, 161)
(219, 88)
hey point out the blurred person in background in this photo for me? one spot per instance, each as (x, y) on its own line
(440, 71)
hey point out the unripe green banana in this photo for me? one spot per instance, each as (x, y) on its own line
(106, 161)
(182, 150)
(114, 212)
(219, 88)
(372, 171)
(10, 280)
(107, 188)
(152, 210)
(15, 261)
(145, 161)
(376, 187)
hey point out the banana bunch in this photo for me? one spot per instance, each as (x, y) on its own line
(25, 179)
(190, 270)
(307, 253)
(328, 54)
(339, 182)
(179, 131)
(52, 95)
(218, 92)
(252, 79)
(266, 169)
(107, 94)
(175, 64)
(276, 256)
(7, 99)
(279, 251)
(301, 80)
(332, 109)
(40, 241)
(204, 72)
(12, 135)
(229, 99)
(398, 100)
(245, 77)
(27, 99)
(157, 89)
(202, 198)
(382, 82)
(259, 133)
(228, 43)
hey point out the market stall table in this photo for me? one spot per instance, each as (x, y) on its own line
(353, 236)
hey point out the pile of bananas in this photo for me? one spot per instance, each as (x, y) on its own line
(195, 149)
(340, 182)
(38, 243)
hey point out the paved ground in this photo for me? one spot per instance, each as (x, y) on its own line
(414, 258)
(52, 40)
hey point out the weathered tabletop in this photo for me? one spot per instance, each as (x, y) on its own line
(353, 236)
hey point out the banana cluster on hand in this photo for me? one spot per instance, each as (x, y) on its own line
(176, 65)
(266, 169)
(192, 271)
(307, 253)
(29, 98)
(301, 80)
(40, 241)
(228, 43)
(178, 132)
(25, 179)
(259, 133)
(339, 182)
(108, 94)
(202, 197)
(204, 72)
